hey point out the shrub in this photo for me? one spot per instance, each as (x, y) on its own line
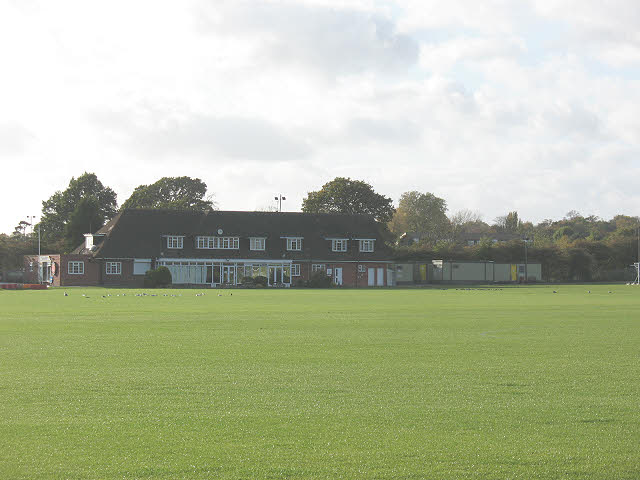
(261, 280)
(160, 277)
(320, 280)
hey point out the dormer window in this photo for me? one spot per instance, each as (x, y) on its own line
(339, 245)
(366, 245)
(257, 243)
(217, 243)
(294, 244)
(174, 241)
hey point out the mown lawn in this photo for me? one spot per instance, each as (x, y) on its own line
(372, 384)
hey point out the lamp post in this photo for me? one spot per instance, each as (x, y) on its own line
(30, 220)
(279, 198)
(526, 273)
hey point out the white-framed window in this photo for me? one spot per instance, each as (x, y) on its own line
(339, 245)
(114, 268)
(257, 243)
(318, 267)
(204, 242)
(174, 241)
(75, 268)
(295, 269)
(141, 265)
(362, 268)
(366, 245)
(294, 244)
(221, 243)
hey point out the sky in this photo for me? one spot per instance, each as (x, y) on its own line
(495, 106)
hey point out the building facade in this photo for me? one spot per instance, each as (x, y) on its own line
(223, 249)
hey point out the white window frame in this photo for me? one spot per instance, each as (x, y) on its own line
(295, 269)
(294, 244)
(217, 243)
(175, 242)
(113, 268)
(204, 242)
(339, 245)
(318, 267)
(75, 268)
(257, 243)
(362, 268)
(367, 245)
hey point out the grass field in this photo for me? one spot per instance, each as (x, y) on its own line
(373, 384)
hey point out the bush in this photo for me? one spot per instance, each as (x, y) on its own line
(320, 280)
(160, 277)
(261, 280)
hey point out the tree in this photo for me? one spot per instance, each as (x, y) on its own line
(343, 195)
(466, 221)
(86, 218)
(423, 213)
(172, 193)
(508, 223)
(57, 210)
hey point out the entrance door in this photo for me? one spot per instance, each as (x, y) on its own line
(380, 277)
(229, 274)
(371, 277)
(275, 275)
(337, 276)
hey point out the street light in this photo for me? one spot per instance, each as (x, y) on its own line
(32, 217)
(279, 198)
(526, 273)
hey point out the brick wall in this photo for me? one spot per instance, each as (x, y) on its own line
(90, 277)
(126, 276)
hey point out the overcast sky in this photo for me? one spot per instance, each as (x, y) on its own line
(493, 105)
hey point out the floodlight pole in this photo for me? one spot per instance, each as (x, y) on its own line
(526, 273)
(279, 198)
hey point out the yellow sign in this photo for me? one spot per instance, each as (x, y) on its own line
(423, 272)
(514, 273)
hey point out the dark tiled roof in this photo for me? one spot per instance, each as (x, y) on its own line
(142, 234)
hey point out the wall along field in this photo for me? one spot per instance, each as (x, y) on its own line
(387, 384)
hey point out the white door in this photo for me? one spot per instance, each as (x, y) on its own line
(371, 277)
(380, 277)
(337, 275)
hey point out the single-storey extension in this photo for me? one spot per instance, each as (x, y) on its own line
(452, 271)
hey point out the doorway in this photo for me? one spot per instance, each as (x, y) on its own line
(337, 275)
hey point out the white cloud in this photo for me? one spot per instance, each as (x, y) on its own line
(495, 105)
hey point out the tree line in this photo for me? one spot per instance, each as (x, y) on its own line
(575, 248)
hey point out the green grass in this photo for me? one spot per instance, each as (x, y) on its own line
(517, 383)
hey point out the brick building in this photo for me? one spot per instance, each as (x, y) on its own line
(223, 248)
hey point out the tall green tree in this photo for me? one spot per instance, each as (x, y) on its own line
(510, 223)
(344, 195)
(57, 210)
(172, 193)
(86, 218)
(423, 213)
